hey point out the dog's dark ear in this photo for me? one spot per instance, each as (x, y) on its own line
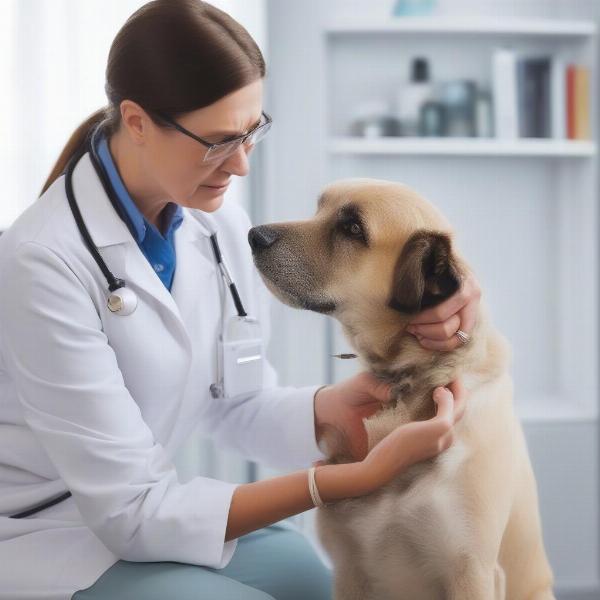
(426, 273)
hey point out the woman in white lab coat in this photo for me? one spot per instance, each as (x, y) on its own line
(94, 404)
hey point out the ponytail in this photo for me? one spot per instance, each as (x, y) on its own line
(75, 143)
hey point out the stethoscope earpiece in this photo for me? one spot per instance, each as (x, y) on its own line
(122, 301)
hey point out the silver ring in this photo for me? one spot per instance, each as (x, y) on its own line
(464, 338)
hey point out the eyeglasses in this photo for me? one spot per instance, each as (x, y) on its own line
(222, 150)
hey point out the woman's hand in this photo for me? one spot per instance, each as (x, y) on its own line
(435, 328)
(345, 404)
(413, 442)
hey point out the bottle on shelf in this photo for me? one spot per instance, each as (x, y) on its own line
(412, 96)
(373, 119)
(459, 99)
(484, 115)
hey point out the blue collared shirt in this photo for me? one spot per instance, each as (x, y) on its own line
(158, 249)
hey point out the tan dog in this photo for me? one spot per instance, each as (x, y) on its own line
(464, 525)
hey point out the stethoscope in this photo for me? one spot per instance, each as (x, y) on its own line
(121, 300)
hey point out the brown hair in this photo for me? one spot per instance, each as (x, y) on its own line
(170, 57)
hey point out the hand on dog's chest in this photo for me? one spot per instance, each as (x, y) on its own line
(399, 412)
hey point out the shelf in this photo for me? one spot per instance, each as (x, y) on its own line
(462, 147)
(553, 409)
(467, 25)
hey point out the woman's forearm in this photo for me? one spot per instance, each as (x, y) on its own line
(261, 503)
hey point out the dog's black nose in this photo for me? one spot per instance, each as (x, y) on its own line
(262, 237)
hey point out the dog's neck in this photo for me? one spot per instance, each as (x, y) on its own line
(395, 356)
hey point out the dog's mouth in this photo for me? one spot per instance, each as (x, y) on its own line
(282, 290)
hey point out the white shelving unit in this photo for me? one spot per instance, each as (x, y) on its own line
(468, 26)
(554, 330)
(462, 147)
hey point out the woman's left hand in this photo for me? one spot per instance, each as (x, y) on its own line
(345, 404)
(436, 327)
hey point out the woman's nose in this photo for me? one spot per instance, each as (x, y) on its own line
(237, 163)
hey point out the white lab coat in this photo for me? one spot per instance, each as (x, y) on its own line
(98, 403)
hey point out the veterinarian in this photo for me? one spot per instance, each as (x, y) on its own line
(119, 283)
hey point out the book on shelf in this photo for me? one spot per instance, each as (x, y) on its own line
(534, 97)
(539, 97)
(578, 110)
(504, 85)
(559, 98)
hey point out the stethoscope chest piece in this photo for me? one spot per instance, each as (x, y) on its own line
(122, 302)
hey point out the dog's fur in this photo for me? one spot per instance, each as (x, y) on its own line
(461, 526)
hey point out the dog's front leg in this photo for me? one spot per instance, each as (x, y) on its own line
(473, 580)
(544, 595)
(500, 583)
(349, 584)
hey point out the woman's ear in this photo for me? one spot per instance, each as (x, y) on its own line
(134, 118)
(426, 273)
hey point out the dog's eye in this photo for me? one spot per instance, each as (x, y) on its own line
(353, 229)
